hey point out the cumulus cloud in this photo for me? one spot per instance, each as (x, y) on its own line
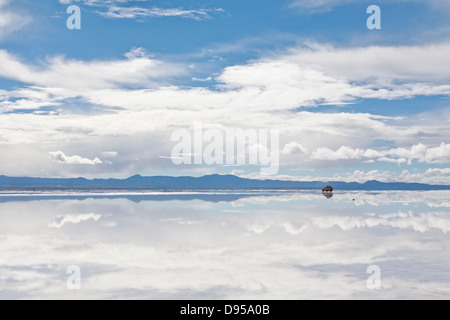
(380, 64)
(60, 221)
(398, 161)
(293, 148)
(418, 152)
(359, 176)
(60, 157)
(438, 172)
(343, 152)
(423, 153)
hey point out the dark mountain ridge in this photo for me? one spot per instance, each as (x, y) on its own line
(206, 182)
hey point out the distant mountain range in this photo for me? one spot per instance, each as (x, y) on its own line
(214, 181)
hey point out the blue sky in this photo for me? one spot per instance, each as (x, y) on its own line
(350, 103)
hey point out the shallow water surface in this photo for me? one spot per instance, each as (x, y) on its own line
(224, 245)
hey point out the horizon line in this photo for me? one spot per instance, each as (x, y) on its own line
(222, 175)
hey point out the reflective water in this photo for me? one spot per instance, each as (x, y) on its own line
(209, 245)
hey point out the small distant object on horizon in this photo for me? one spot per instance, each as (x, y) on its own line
(327, 189)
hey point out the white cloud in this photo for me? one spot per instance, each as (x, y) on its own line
(292, 229)
(422, 223)
(293, 148)
(115, 12)
(418, 152)
(11, 21)
(423, 153)
(136, 53)
(59, 72)
(359, 176)
(343, 152)
(381, 64)
(202, 79)
(398, 161)
(438, 172)
(60, 157)
(60, 221)
(30, 98)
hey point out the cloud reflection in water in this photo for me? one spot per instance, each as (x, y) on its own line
(286, 246)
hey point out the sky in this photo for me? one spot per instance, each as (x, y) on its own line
(349, 103)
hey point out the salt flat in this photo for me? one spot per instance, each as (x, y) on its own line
(257, 245)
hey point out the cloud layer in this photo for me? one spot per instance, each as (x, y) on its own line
(137, 96)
